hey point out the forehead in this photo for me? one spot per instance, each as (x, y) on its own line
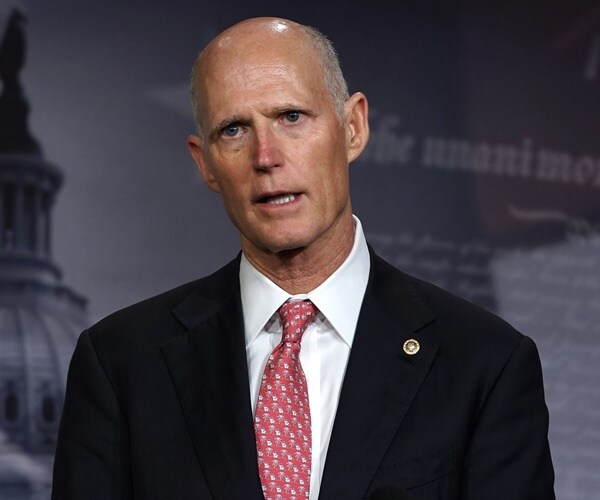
(248, 65)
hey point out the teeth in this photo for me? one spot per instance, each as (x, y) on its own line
(280, 200)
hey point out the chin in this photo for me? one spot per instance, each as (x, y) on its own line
(279, 238)
(282, 246)
(288, 248)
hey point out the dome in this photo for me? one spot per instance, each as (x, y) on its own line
(40, 317)
(37, 342)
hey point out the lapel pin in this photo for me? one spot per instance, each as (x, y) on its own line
(411, 347)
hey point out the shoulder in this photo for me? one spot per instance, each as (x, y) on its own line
(154, 319)
(453, 323)
(474, 348)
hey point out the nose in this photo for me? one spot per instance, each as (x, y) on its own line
(267, 153)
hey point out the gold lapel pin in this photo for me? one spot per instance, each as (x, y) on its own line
(411, 347)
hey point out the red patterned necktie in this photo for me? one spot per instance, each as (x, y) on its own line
(282, 419)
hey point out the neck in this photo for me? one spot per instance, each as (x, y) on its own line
(304, 269)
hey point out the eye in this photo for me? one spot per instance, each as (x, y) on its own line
(231, 130)
(292, 116)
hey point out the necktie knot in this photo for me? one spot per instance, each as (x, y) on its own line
(295, 317)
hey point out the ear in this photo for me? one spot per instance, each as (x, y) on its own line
(356, 124)
(195, 145)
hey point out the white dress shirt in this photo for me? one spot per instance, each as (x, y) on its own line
(326, 342)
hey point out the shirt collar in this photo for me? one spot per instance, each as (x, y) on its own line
(338, 298)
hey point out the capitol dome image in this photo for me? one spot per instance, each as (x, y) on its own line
(40, 317)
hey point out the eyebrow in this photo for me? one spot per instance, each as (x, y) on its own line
(289, 107)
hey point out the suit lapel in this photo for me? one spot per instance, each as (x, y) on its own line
(209, 371)
(208, 368)
(380, 383)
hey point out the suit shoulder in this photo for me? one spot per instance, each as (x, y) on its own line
(457, 320)
(154, 315)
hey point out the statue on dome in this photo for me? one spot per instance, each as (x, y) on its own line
(14, 108)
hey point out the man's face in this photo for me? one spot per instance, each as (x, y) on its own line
(273, 145)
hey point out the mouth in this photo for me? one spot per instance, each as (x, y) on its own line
(278, 199)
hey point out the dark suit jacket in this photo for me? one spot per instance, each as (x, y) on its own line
(158, 404)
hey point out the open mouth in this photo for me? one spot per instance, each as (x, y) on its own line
(280, 199)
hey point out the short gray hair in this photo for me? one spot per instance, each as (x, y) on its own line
(194, 93)
(333, 78)
(332, 72)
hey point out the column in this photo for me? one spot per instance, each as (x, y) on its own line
(19, 221)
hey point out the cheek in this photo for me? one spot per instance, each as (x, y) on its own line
(228, 172)
(326, 152)
(335, 170)
(232, 192)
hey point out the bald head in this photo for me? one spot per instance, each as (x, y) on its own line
(251, 39)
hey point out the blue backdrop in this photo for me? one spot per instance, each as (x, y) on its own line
(482, 174)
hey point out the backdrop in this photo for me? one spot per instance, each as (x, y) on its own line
(482, 174)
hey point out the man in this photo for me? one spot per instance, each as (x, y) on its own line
(400, 390)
